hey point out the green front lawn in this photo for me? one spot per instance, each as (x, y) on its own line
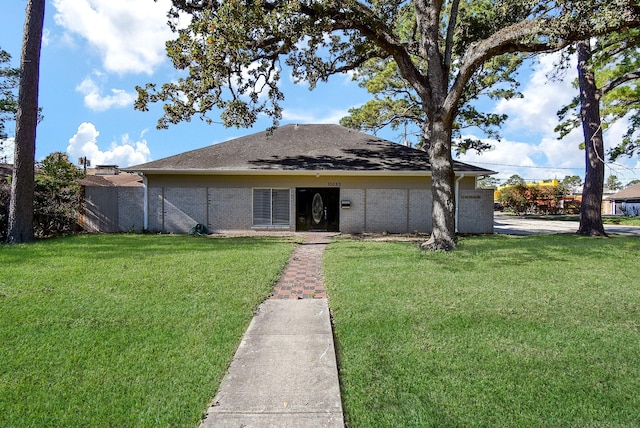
(125, 330)
(131, 330)
(621, 220)
(506, 331)
(609, 219)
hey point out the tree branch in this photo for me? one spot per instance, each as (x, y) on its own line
(619, 81)
(453, 19)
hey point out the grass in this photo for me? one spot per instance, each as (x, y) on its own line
(617, 220)
(506, 331)
(125, 330)
(622, 220)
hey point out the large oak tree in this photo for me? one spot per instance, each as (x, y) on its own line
(232, 52)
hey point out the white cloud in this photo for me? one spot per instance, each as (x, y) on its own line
(46, 37)
(308, 116)
(532, 149)
(128, 34)
(94, 99)
(507, 157)
(6, 150)
(125, 153)
(536, 113)
(550, 158)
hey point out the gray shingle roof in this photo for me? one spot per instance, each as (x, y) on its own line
(120, 180)
(301, 148)
(631, 192)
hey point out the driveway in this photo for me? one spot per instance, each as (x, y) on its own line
(512, 225)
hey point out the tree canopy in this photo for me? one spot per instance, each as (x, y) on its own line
(615, 63)
(234, 52)
(613, 183)
(570, 184)
(608, 91)
(57, 199)
(515, 179)
(9, 79)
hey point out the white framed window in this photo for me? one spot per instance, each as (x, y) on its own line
(271, 207)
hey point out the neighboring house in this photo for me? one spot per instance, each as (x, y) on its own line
(626, 201)
(6, 170)
(305, 178)
(113, 202)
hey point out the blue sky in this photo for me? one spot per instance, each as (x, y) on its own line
(95, 52)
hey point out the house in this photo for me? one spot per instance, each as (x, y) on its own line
(626, 201)
(6, 170)
(305, 178)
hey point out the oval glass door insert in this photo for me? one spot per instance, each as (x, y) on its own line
(317, 207)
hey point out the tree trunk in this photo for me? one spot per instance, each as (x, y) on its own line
(443, 233)
(591, 207)
(20, 227)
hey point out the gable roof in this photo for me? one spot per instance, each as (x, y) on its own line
(119, 180)
(301, 148)
(631, 192)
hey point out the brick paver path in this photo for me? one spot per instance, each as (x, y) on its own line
(302, 277)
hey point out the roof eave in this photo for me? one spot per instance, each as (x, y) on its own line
(297, 172)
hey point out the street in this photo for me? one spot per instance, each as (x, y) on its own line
(514, 225)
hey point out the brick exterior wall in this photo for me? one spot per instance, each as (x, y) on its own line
(176, 209)
(475, 211)
(113, 209)
(155, 208)
(229, 209)
(387, 210)
(130, 209)
(351, 219)
(100, 209)
(184, 208)
(420, 203)
(394, 210)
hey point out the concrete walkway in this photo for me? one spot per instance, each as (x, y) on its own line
(284, 373)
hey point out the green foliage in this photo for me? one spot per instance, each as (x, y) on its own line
(570, 184)
(516, 197)
(9, 79)
(504, 332)
(612, 183)
(523, 199)
(57, 198)
(618, 65)
(233, 51)
(488, 182)
(615, 62)
(514, 179)
(396, 102)
(9, 82)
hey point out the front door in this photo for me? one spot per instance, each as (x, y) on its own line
(317, 209)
